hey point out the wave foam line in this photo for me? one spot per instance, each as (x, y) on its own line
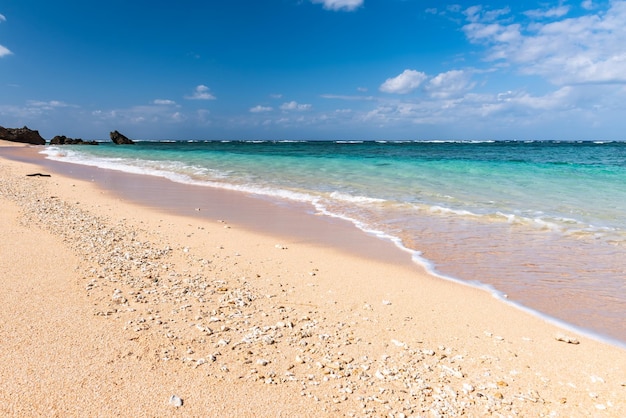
(429, 267)
(67, 156)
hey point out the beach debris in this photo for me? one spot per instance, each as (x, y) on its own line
(175, 401)
(386, 302)
(566, 339)
(280, 246)
(38, 175)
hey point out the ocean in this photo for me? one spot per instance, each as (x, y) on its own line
(539, 224)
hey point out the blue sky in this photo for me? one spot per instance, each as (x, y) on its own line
(315, 69)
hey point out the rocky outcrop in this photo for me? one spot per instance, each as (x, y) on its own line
(120, 139)
(63, 140)
(23, 135)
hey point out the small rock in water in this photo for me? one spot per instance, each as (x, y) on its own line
(176, 401)
(566, 339)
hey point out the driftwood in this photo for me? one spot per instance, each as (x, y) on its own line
(38, 175)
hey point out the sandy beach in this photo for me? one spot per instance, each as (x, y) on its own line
(111, 308)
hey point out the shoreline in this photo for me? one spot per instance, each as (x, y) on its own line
(292, 220)
(287, 221)
(371, 325)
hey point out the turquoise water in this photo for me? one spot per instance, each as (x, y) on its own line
(541, 224)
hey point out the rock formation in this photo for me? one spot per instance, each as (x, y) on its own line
(23, 135)
(120, 139)
(63, 140)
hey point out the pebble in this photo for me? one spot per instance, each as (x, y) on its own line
(175, 401)
(398, 343)
(467, 388)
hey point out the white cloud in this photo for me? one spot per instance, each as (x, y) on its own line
(510, 108)
(164, 102)
(153, 113)
(346, 97)
(295, 106)
(178, 117)
(347, 5)
(559, 11)
(260, 109)
(4, 50)
(276, 96)
(449, 84)
(587, 4)
(585, 49)
(404, 83)
(479, 14)
(201, 92)
(493, 33)
(52, 104)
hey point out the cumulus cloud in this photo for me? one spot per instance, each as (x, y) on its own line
(584, 49)
(260, 109)
(347, 5)
(201, 92)
(404, 83)
(449, 84)
(293, 105)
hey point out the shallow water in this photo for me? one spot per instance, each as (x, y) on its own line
(542, 222)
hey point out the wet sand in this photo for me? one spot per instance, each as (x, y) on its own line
(125, 305)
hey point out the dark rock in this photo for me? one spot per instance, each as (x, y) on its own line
(120, 139)
(63, 140)
(23, 135)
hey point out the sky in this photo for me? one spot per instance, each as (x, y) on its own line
(315, 69)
